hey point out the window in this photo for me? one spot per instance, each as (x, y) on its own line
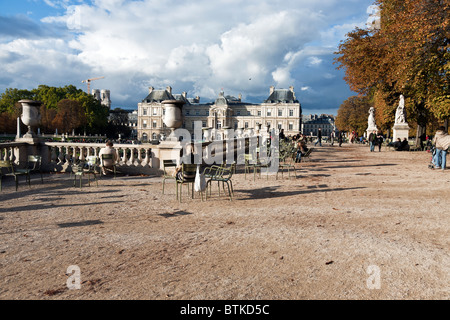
(246, 125)
(155, 111)
(154, 124)
(280, 112)
(238, 113)
(207, 113)
(154, 136)
(291, 126)
(144, 123)
(219, 125)
(259, 113)
(187, 112)
(144, 111)
(291, 113)
(203, 124)
(269, 112)
(280, 125)
(197, 112)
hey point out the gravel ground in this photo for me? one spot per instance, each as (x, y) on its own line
(352, 225)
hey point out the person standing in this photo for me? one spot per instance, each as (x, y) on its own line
(372, 137)
(332, 136)
(319, 137)
(441, 141)
(379, 140)
(340, 138)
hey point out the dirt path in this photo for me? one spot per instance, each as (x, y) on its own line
(353, 225)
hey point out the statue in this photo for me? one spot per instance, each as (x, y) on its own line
(372, 118)
(400, 114)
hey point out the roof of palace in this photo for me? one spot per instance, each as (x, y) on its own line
(281, 96)
(159, 96)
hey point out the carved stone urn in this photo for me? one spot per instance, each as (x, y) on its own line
(31, 116)
(173, 117)
(207, 133)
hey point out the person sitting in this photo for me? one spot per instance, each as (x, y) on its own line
(301, 150)
(404, 145)
(108, 163)
(397, 144)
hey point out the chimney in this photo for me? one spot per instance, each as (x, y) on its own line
(150, 90)
(169, 89)
(272, 89)
(240, 97)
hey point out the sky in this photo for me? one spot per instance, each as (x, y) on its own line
(200, 47)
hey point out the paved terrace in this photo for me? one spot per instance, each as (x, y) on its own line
(351, 218)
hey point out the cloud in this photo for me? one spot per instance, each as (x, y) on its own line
(23, 27)
(195, 46)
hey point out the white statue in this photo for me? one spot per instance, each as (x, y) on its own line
(400, 114)
(371, 120)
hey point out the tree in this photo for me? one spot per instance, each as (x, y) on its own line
(118, 120)
(70, 116)
(409, 55)
(353, 114)
(96, 115)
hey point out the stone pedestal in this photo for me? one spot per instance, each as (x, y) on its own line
(401, 131)
(169, 150)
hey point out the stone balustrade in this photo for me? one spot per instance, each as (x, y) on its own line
(133, 158)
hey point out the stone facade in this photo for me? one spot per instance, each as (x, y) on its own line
(312, 123)
(281, 110)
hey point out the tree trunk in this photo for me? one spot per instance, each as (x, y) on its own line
(422, 120)
(446, 125)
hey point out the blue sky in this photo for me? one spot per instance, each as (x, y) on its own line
(197, 46)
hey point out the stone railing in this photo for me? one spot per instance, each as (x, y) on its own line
(59, 156)
(133, 158)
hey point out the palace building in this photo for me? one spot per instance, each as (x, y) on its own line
(281, 110)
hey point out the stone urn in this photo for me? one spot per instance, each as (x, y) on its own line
(239, 132)
(173, 117)
(31, 116)
(207, 133)
(258, 128)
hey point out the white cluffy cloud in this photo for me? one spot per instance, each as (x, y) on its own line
(195, 46)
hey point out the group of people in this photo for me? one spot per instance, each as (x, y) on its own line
(375, 139)
(400, 145)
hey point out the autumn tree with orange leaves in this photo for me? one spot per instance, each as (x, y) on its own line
(408, 54)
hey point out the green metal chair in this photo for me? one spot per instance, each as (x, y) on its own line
(113, 166)
(168, 164)
(286, 162)
(223, 176)
(255, 163)
(7, 170)
(87, 167)
(186, 176)
(34, 163)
